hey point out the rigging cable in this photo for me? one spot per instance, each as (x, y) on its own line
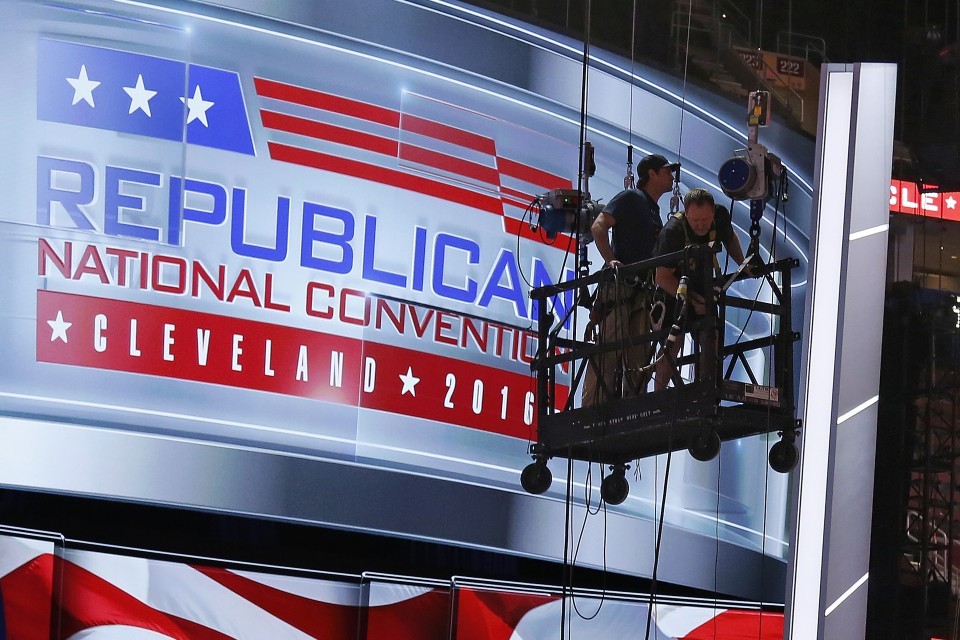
(567, 568)
(628, 180)
(567, 586)
(601, 506)
(674, 202)
(683, 94)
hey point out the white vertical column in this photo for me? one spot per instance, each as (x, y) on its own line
(841, 360)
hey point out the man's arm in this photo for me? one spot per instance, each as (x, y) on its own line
(733, 247)
(667, 280)
(601, 236)
(666, 277)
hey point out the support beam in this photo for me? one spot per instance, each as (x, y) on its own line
(827, 585)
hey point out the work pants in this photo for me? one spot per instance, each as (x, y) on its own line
(629, 317)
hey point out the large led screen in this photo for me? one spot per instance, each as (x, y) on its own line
(274, 259)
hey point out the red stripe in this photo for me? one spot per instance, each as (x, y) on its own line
(740, 625)
(328, 132)
(450, 163)
(319, 100)
(529, 174)
(485, 398)
(526, 198)
(519, 204)
(446, 133)
(422, 617)
(488, 615)
(482, 397)
(187, 364)
(373, 113)
(28, 600)
(314, 618)
(378, 144)
(414, 124)
(87, 600)
(391, 177)
(419, 184)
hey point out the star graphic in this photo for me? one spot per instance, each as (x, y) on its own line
(140, 97)
(197, 107)
(409, 382)
(59, 327)
(83, 87)
(951, 202)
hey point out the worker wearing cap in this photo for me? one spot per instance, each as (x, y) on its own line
(621, 309)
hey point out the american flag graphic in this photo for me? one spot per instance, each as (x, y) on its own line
(104, 596)
(143, 95)
(426, 146)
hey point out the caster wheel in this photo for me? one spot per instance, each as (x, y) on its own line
(614, 488)
(783, 456)
(705, 446)
(536, 478)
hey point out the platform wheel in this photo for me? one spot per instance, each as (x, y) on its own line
(783, 456)
(614, 487)
(536, 477)
(705, 446)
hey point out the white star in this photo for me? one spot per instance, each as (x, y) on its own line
(140, 97)
(409, 382)
(59, 328)
(83, 87)
(197, 106)
(951, 202)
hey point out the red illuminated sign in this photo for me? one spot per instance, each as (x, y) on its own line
(910, 198)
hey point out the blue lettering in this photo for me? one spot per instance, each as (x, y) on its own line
(419, 257)
(561, 306)
(370, 272)
(506, 265)
(71, 201)
(179, 213)
(312, 235)
(115, 201)
(238, 224)
(441, 288)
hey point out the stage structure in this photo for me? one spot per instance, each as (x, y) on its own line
(696, 415)
(830, 548)
(242, 277)
(727, 399)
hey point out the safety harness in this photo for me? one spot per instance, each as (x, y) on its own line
(688, 239)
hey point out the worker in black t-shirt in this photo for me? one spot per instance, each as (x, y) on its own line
(701, 222)
(621, 310)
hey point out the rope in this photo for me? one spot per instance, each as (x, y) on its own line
(567, 587)
(566, 620)
(633, 36)
(683, 93)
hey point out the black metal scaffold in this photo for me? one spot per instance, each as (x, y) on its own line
(697, 414)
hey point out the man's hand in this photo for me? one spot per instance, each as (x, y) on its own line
(590, 333)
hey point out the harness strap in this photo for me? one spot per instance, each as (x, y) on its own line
(688, 240)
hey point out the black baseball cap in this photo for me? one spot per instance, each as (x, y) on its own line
(655, 161)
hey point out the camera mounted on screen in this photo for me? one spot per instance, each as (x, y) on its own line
(752, 173)
(569, 210)
(566, 211)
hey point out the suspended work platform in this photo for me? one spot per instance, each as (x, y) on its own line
(741, 389)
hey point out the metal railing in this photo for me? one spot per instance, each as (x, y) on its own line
(813, 49)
